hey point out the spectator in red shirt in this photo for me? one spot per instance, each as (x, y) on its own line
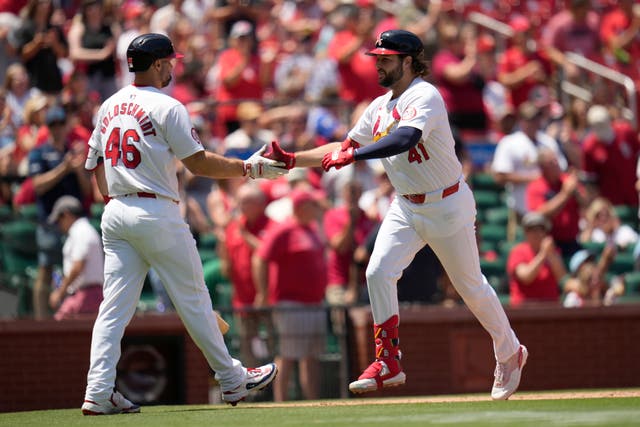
(243, 235)
(522, 67)
(574, 29)
(557, 196)
(610, 155)
(289, 270)
(620, 35)
(346, 227)
(357, 71)
(12, 6)
(240, 74)
(456, 74)
(535, 266)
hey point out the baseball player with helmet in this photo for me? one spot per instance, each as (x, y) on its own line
(139, 133)
(408, 129)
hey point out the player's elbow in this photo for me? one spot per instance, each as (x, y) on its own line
(196, 163)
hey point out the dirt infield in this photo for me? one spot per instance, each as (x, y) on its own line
(546, 395)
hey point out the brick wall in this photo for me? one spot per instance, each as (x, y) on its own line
(447, 351)
(44, 364)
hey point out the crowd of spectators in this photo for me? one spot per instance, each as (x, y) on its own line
(295, 71)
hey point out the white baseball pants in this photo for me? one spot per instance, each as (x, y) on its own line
(448, 227)
(138, 233)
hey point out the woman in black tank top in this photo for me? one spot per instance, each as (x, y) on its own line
(92, 47)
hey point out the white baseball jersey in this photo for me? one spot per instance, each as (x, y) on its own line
(139, 131)
(447, 224)
(432, 164)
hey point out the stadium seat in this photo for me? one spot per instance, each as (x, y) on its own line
(19, 249)
(486, 199)
(623, 263)
(493, 233)
(28, 212)
(504, 248)
(593, 247)
(207, 241)
(219, 288)
(497, 267)
(96, 210)
(6, 213)
(485, 181)
(95, 222)
(632, 283)
(497, 215)
(487, 246)
(19, 260)
(627, 214)
(207, 255)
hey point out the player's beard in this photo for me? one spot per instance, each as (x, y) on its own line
(388, 79)
(167, 81)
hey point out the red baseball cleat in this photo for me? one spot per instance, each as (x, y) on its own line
(378, 375)
(385, 371)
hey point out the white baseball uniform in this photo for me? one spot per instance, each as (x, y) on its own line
(445, 220)
(140, 132)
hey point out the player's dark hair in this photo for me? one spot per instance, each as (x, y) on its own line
(419, 64)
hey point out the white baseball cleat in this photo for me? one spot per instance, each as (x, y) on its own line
(255, 379)
(116, 404)
(507, 375)
(377, 376)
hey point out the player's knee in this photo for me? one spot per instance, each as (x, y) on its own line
(376, 274)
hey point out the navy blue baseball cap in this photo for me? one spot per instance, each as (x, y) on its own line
(397, 42)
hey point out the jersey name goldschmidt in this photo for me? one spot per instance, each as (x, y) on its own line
(430, 165)
(139, 132)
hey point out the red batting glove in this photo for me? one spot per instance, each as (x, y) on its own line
(348, 142)
(338, 158)
(275, 152)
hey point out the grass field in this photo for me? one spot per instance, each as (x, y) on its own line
(525, 409)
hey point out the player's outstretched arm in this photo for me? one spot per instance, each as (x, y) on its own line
(307, 158)
(212, 165)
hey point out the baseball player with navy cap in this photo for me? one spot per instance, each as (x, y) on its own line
(139, 133)
(408, 130)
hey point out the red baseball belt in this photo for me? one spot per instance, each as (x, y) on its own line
(432, 197)
(146, 195)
